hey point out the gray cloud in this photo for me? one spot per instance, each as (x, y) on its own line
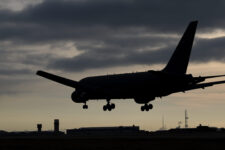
(209, 50)
(109, 33)
(15, 86)
(63, 20)
(203, 51)
(9, 72)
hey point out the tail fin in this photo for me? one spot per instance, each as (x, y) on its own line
(179, 61)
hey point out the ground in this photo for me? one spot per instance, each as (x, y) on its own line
(111, 143)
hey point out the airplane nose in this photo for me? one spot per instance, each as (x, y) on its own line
(74, 96)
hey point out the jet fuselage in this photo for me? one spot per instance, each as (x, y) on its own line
(141, 86)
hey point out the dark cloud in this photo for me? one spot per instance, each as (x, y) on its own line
(205, 50)
(15, 72)
(55, 20)
(114, 13)
(209, 50)
(87, 61)
(110, 33)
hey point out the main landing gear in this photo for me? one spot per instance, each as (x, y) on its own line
(146, 107)
(85, 106)
(108, 106)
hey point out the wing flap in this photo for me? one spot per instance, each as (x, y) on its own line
(58, 79)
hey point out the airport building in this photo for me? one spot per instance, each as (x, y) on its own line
(120, 130)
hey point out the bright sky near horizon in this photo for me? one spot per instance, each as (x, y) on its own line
(80, 38)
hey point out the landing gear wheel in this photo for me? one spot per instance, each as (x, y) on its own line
(112, 106)
(146, 107)
(85, 106)
(150, 106)
(142, 108)
(104, 107)
(109, 108)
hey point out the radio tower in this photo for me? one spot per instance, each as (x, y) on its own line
(186, 119)
(163, 124)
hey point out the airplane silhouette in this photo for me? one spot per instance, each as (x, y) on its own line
(143, 87)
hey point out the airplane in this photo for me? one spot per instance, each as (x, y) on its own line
(143, 87)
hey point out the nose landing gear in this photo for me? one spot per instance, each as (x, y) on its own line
(146, 107)
(85, 106)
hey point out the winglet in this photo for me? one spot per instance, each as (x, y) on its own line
(58, 79)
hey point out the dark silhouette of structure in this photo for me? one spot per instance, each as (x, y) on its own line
(143, 87)
(121, 137)
(56, 125)
(39, 127)
(124, 131)
(39, 131)
(186, 119)
(202, 137)
(163, 124)
(105, 131)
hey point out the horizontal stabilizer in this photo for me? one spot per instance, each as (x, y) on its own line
(58, 79)
(216, 76)
(202, 85)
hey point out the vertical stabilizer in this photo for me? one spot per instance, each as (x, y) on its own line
(179, 61)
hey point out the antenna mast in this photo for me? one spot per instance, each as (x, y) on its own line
(186, 119)
(163, 124)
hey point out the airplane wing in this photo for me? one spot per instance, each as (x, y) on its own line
(58, 79)
(203, 85)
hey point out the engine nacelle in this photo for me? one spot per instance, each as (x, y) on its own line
(79, 97)
(142, 100)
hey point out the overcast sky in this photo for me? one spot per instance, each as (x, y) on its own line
(79, 38)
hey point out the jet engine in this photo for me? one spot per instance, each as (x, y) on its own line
(79, 97)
